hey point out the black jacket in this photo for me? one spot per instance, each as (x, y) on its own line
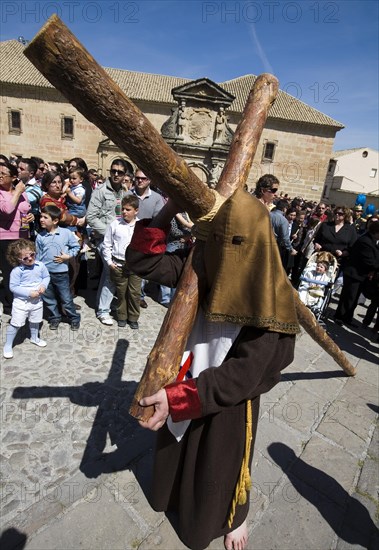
(363, 258)
(330, 240)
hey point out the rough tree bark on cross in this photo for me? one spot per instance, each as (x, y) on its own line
(56, 52)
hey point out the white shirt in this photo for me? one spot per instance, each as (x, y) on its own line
(116, 240)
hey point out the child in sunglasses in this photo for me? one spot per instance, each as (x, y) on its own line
(28, 281)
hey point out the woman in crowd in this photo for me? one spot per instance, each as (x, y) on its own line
(337, 236)
(52, 184)
(14, 220)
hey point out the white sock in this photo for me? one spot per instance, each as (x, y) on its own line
(34, 332)
(11, 335)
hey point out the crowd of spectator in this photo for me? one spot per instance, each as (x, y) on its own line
(65, 211)
(303, 228)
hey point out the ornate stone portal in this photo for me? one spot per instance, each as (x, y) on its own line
(198, 127)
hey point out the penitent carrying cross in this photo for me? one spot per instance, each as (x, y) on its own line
(55, 51)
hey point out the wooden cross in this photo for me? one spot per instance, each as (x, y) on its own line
(62, 59)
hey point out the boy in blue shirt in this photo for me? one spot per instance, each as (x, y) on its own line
(55, 246)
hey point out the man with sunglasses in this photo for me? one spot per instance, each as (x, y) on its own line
(320, 212)
(266, 189)
(150, 203)
(104, 207)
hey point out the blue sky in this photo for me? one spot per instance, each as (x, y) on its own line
(323, 52)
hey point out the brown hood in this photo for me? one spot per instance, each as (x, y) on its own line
(246, 282)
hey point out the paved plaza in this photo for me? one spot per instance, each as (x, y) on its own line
(76, 468)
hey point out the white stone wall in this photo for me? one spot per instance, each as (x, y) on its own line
(356, 168)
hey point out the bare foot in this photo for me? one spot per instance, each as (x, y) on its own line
(237, 539)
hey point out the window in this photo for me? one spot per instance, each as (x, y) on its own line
(373, 172)
(331, 167)
(67, 127)
(14, 121)
(268, 150)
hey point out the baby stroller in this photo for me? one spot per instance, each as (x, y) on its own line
(316, 283)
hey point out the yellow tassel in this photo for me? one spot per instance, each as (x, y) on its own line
(244, 480)
(242, 497)
(248, 483)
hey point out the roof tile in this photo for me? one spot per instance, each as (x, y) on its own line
(15, 68)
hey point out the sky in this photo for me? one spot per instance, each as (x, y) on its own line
(324, 53)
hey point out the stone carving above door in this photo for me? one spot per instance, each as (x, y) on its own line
(200, 118)
(200, 125)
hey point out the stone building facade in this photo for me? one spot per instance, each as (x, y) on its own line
(197, 118)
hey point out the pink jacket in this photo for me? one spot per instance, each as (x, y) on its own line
(10, 216)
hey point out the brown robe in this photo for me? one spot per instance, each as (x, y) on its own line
(197, 476)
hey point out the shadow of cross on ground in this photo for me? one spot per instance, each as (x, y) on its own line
(346, 515)
(112, 399)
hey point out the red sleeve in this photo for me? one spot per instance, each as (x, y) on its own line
(149, 240)
(183, 400)
(255, 369)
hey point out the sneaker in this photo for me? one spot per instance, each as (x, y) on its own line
(7, 354)
(121, 323)
(53, 325)
(75, 325)
(40, 343)
(133, 325)
(106, 320)
(143, 304)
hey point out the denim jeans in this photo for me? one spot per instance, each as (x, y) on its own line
(106, 290)
(58, 292)
(167, 295)
(166, 292)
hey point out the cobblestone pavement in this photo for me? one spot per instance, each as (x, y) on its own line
(75, 467)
